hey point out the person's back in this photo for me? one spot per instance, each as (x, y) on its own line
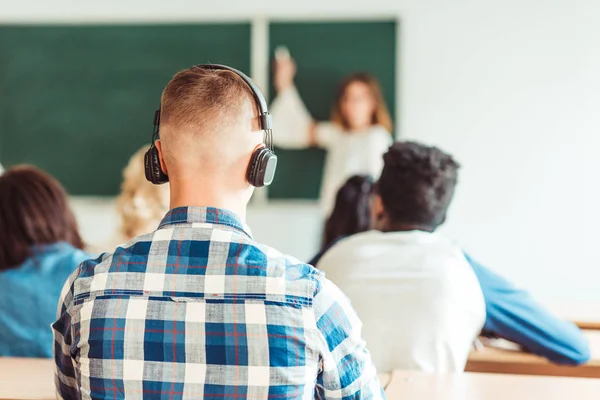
(39, 248)
(28, 301)
(197, 308)
(419, 298)
(419, 301)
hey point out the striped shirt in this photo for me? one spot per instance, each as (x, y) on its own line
(198, 309)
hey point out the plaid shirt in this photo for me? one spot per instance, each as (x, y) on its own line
(198, 309)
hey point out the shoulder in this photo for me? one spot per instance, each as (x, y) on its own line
(328, 126)
(351, 246)
(381, 135)
(287, 278)
(77, 256)
(60, 257)
(328, 130)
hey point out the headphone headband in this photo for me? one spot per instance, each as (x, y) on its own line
(265, 120)
(263, 161)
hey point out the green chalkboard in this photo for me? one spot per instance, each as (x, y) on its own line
(325, 52)
(77, 101)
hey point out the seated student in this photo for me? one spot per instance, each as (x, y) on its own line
(141, 205)
(39, 247)
(351, 213)
(197, 308)
(511, 313)
(419, 300)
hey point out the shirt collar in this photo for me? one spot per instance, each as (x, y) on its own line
(204, 215)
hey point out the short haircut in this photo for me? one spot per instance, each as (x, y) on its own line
(34, 211)
(198, 99)
(417, 184)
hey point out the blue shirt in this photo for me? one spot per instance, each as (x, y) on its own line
(514, 315)
(198, 309)
(28, 297)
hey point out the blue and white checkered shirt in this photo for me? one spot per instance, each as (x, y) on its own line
(198, 309)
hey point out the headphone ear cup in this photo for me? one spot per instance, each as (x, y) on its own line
(261, 169)
(152, 169)
(253, 167)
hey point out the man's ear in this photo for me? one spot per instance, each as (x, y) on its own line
(163, 166)
(379, 218)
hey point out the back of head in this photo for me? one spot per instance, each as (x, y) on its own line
(351, 212)
(204, 115)
(34, 211)
(141, 205)
(416, 185)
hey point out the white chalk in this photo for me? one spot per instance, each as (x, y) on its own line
(282, 53)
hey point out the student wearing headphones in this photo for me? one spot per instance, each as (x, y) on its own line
(40, 246)
(197, 308)
(355, 138)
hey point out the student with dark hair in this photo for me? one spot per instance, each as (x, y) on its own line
(419, 300)
(351, 213)
(39, 247)
(510, 313)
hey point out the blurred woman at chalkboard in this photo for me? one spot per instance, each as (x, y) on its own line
(357, 135)
(40, 246)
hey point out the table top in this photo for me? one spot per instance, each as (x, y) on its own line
(475, 386)
(26, 379)
(584, 315)
(31, 379)
(504, 360)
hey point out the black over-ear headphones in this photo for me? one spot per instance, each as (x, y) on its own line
(263, 162)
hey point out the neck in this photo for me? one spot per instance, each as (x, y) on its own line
(360, 128)
(191, 193)
(405, 227)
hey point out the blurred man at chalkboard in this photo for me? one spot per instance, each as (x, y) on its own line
(355, 138)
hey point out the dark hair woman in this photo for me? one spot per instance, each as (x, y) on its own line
(351, 212)
(39, 247)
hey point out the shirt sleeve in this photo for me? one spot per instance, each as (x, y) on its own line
(291, 120)
(514, 315)
(346, 369)
(64, 371)
(378, 147)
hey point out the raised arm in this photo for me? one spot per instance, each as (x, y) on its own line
(294, 127)
(346, 371)
(514, 315)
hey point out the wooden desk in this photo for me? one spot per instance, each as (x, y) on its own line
(497, 360)
(407, 385)
(584, 315)
(26, 379)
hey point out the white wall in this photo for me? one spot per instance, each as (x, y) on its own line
(511, 88)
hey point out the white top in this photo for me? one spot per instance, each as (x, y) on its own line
(355, 153)
(419, 300)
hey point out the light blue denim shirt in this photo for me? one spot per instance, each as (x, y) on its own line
(29, 296)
